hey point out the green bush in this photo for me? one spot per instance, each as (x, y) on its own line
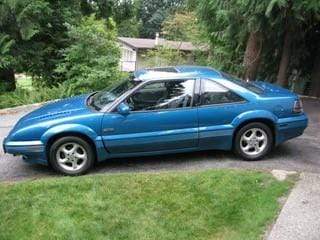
(23, 96)
(164, 56)
(91, 62)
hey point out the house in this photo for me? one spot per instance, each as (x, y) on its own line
(134, 49)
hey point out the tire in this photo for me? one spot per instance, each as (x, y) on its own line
(71, 156)
(249, 143)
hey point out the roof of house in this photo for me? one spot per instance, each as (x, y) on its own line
(145, 43)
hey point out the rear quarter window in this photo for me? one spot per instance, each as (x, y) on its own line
(247, 85)
(214, 93)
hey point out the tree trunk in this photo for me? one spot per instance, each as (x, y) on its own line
(315, 76)
(282, 78)
(7, 80)
(252, 55)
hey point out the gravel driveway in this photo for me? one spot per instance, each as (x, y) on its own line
(300, 154)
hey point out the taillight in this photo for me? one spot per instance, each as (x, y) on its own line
(297, 107)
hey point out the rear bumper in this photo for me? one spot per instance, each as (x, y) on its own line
(32, 151)
(288, 128)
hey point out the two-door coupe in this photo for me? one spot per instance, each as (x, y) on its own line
(159, 111)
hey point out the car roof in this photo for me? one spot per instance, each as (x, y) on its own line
(174, 72)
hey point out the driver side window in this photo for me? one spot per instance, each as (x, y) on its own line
(162, 95)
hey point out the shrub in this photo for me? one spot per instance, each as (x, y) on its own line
(91, 62)
(42, 94)
(164, 56)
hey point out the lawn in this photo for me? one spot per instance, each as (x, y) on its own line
(215, 204)
(24, 81)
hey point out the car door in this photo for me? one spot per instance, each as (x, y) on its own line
(218, 107)
(162, 117)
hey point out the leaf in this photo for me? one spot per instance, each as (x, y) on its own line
(28, 30)
(5, 44)
(273, 4)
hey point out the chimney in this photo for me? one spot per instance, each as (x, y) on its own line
(156, 40)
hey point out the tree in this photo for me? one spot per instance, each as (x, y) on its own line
(292, 15)
(182, 26)
(236, 31)
(165, 56)
(315, 76)
(152, 13)
(272, 34)
(18, 22)
(7, 81)
(252, 55)
(285, 11)
(315, 49)
(37, 29)
(91, 61)
(123, 12)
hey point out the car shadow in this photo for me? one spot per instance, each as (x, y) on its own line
(179, 161)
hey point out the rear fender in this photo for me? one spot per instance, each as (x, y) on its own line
(255, 114)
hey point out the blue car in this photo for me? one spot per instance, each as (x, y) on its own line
(159, 111)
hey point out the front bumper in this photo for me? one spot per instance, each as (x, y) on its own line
(288, 128)
(32, 151)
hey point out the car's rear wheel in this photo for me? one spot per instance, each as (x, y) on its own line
(253, 141)
(71, 155)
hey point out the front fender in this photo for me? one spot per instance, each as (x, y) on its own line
(254, 114)
(81, 129)
(67, 128)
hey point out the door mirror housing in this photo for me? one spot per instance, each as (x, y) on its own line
(123, 109)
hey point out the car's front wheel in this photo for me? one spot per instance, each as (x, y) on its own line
(253, 141)
(71, 155)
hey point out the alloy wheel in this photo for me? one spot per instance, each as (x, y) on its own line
(71, 156)
(253, 141)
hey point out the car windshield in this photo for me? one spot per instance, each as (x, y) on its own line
(100, 99)
(248, 85)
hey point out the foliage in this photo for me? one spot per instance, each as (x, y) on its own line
(215, 204)
(229, 23)
(89, 64)
(37, 29)
(164, 56)
(134, 18)
(24, 81)
(36, 36)
(6, 59)
(123, 12)
(129, 28)
(302, 19)
(23, 96)
(152, 13)
(91, 61)
(183, 26)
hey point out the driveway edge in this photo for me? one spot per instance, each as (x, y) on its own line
(299, 217)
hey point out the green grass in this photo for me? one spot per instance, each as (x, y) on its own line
(24, 82)
(216, 204)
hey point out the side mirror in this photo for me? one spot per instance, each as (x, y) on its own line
(123, 109)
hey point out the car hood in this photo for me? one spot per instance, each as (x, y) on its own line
(56, 109)
(271, 90)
